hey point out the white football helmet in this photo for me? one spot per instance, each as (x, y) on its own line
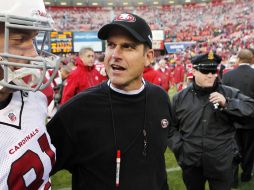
(26, 15)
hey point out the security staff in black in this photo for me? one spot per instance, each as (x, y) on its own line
(242, 78)
(203, 115)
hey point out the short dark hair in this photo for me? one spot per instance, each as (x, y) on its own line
(245, 56)
(252, 50)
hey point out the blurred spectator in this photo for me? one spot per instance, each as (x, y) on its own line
(58, 83)
(165, 74)
(153, 76)
(179, 71)
(189, 74)
(99, 65)
(83, 77)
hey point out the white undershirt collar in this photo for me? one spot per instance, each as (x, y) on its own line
(132, 92)
(244, 64)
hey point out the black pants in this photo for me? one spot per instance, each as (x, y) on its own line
(194, 179)
(245, 141)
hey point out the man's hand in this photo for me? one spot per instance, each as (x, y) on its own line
(217, 98)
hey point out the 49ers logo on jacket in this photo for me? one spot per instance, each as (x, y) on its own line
(125, 17)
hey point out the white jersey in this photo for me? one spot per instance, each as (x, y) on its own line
(27, 155)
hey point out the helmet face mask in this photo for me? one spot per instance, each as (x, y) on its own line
(25, 16)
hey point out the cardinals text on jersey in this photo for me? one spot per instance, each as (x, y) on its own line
(27, 155)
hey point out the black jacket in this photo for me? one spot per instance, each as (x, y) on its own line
(89, 129)
(242, 78)
(203, 135)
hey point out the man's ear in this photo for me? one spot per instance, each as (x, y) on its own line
(149, 57)
(194, 71)
(81, 57)
(237, 62)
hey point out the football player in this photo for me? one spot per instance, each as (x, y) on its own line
(27, 155)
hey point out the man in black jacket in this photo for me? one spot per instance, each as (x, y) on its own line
(203, 115)
(114, 135)
(242, 78)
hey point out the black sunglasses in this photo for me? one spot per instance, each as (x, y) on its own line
(207, 71)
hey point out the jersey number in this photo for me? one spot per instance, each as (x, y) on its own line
(28, 161)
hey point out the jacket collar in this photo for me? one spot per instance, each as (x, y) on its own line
(80, 64)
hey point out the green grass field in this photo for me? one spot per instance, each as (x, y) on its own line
(63, 179)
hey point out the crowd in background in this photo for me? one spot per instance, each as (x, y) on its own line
(198, 22)
(224, 27)
(182, 22)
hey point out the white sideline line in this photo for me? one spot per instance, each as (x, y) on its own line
(168, 171)
(173, 169)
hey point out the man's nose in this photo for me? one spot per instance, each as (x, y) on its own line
(116, 52)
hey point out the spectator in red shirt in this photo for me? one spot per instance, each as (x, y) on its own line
(178, 73)
(83, 77)
(189, 74)
(165, 74)
(153, 76)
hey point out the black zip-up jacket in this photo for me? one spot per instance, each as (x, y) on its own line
(246, 86)
(201, 134)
